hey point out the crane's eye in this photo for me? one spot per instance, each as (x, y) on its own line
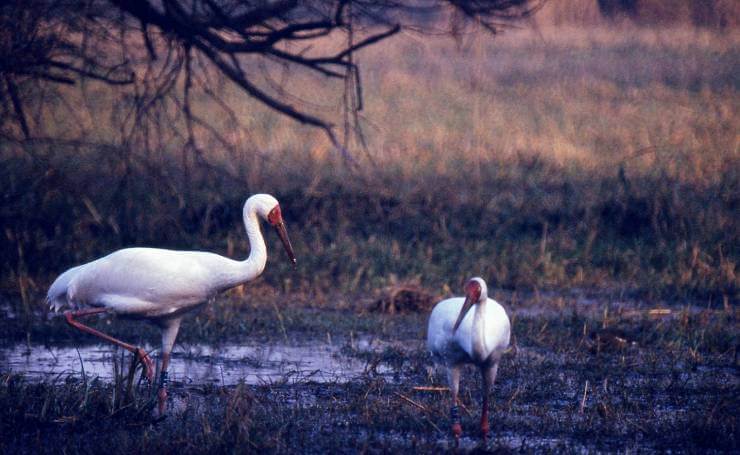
(275, 217)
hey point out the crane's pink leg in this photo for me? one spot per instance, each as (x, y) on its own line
(484, 426)
(453, 374)
(140, 353)
(163, 380)
(169, 333)
(489, 375)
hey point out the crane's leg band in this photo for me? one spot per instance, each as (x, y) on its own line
(164, 379)
(456, 427)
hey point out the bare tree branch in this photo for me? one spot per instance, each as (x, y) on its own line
(149, 45)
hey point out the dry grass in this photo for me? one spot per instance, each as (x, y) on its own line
(598, 158)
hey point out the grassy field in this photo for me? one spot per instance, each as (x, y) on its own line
(601, 159)
(563, 165)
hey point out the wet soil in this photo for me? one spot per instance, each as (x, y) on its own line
(592, 377)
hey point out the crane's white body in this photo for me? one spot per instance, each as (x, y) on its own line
(149, 282)
(157, 283)
(481, 338)
(457, 336)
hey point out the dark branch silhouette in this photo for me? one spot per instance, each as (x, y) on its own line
(152, 44)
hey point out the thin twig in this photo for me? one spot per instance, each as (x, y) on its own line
(467, 411)
(513, 397)
(583, 401)
(84, 379)
(409, 400)
(426, 388)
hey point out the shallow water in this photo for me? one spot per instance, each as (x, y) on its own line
(196, 364)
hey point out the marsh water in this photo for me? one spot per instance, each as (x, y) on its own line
(226, 364)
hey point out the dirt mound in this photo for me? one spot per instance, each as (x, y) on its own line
(403, 298)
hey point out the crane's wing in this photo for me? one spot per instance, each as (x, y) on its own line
(144, 281)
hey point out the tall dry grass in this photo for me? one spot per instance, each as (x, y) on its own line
(603, 158)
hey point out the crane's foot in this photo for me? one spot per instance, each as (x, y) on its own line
(484, 426)
(162, 401)
(147, 363)
(457, 432)
(456, 427)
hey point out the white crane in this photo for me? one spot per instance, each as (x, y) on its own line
(456, 336)
(162, 285)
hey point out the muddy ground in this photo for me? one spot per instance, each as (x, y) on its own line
(583, 375)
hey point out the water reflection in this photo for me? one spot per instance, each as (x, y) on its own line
(197, 364)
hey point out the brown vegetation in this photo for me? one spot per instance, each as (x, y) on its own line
(407, 297)
(607, 158)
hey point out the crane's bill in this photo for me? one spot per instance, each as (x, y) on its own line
(283, 234)
(463, 311)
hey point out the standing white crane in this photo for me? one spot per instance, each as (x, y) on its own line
(162, 285)
(456, 337)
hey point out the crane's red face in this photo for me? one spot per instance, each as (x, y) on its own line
(472, 296)
(275, 218)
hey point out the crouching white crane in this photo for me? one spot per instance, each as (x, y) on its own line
(456, 336)
(162, 285)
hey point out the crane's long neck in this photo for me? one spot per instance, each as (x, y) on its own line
(253, 266)
(242, 271)
(478, 334)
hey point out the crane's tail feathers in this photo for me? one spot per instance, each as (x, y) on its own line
(56, 298)
(56, 304)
